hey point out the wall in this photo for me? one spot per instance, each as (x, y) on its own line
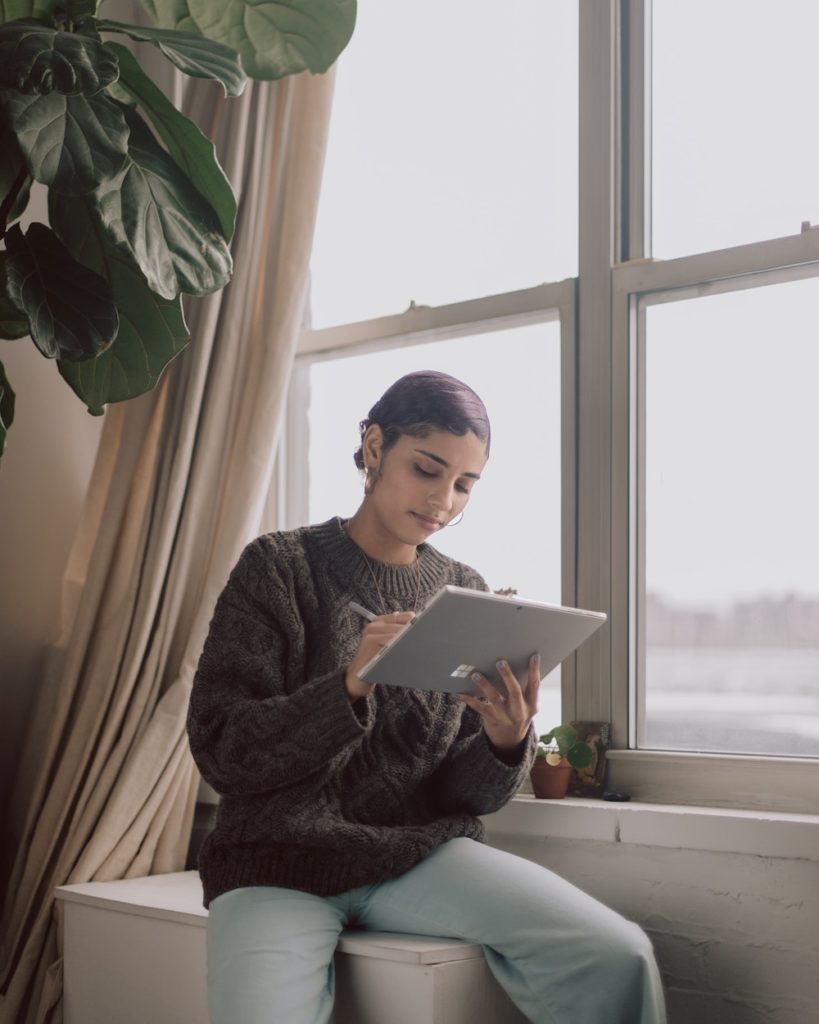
(43, 477)
(736, 931)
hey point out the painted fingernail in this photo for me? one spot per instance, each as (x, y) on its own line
(503, 664)
(476, 677)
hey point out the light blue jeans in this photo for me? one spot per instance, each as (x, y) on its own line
(563, 957)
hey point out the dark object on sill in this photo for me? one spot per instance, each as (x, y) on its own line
(616, 797)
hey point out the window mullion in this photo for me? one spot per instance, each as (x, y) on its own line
(596, 237)
(634, 130)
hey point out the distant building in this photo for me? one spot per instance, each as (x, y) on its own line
(787, 621)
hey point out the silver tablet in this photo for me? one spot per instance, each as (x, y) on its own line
(461, 631)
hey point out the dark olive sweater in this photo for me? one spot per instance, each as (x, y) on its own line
(317, 793)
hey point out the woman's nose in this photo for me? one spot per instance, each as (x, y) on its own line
(443, 496)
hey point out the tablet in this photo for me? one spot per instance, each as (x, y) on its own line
(462, 631)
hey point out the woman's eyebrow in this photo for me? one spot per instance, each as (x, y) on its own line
(443, 462)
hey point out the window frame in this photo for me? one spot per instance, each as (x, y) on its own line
(600, 313)
(423, 324)
(669, 776)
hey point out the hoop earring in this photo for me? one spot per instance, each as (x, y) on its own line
(456, 522)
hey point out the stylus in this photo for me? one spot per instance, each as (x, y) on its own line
(361, 610)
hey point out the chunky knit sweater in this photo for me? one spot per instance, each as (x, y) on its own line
(318, 793)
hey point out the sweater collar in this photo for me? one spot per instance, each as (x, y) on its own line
(345, 559)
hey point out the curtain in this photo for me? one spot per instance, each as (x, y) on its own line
(107, 787)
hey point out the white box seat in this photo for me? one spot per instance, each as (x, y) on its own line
(134, 952)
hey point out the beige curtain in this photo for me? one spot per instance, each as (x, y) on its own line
(107, 786)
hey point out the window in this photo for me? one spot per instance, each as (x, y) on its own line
(512, 528)
(529, 559)
(734, 156)
(716, 584)
(687, 504)
(451, 167)
(730, 506)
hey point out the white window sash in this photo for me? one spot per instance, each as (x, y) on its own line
(786, 783)
(602, 317)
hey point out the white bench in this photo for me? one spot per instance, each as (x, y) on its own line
(134, 953)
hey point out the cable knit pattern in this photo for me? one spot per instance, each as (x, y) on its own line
(317, 793)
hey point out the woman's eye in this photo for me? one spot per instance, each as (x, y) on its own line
(461, 488)
(423, 472)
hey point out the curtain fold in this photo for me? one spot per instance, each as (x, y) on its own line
(106, 787)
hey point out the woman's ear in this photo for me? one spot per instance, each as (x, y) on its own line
(372, 443)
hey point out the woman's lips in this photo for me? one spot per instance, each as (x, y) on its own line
(428, 521)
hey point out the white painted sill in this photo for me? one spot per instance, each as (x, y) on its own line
(753, 832)
(788, 785)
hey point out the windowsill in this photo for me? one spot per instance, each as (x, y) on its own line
(789, 785)
(753, 832)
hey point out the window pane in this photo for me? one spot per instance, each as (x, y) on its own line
(735, 157)
(511, 528)
(452, 160)
(732, 507)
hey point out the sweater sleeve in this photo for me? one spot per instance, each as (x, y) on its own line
(254, 723)
(476, 778)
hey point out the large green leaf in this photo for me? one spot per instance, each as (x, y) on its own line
(196, 56)
(6, 407)
(38, 58)
(70, 310)
(153, 213)
(192, 150)
(12, 165)
(152, 330)
(170, 14)
(274, 38)
(77, 10)
(11, 10)
(71, 143)
(118, 92)
(13, 323)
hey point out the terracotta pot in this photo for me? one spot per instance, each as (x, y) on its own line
(550, 782)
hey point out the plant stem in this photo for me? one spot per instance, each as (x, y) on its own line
(11, 198)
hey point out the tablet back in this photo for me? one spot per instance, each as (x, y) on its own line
(463, 630)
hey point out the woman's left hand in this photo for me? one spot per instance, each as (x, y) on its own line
(506, 719)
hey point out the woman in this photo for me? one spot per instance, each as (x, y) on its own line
(344, 803)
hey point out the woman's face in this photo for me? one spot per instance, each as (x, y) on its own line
(422, 483)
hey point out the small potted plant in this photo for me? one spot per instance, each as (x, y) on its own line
(559, 752)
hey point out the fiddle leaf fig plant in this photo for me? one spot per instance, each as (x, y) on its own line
(198, 57)
(274, 38)
(139, 211)
(70, 309)
(6, 406)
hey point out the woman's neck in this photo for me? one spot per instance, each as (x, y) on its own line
(375, 541)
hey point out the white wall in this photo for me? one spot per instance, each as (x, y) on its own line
(736, 933)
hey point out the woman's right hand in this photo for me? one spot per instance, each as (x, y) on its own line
(376, 635)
